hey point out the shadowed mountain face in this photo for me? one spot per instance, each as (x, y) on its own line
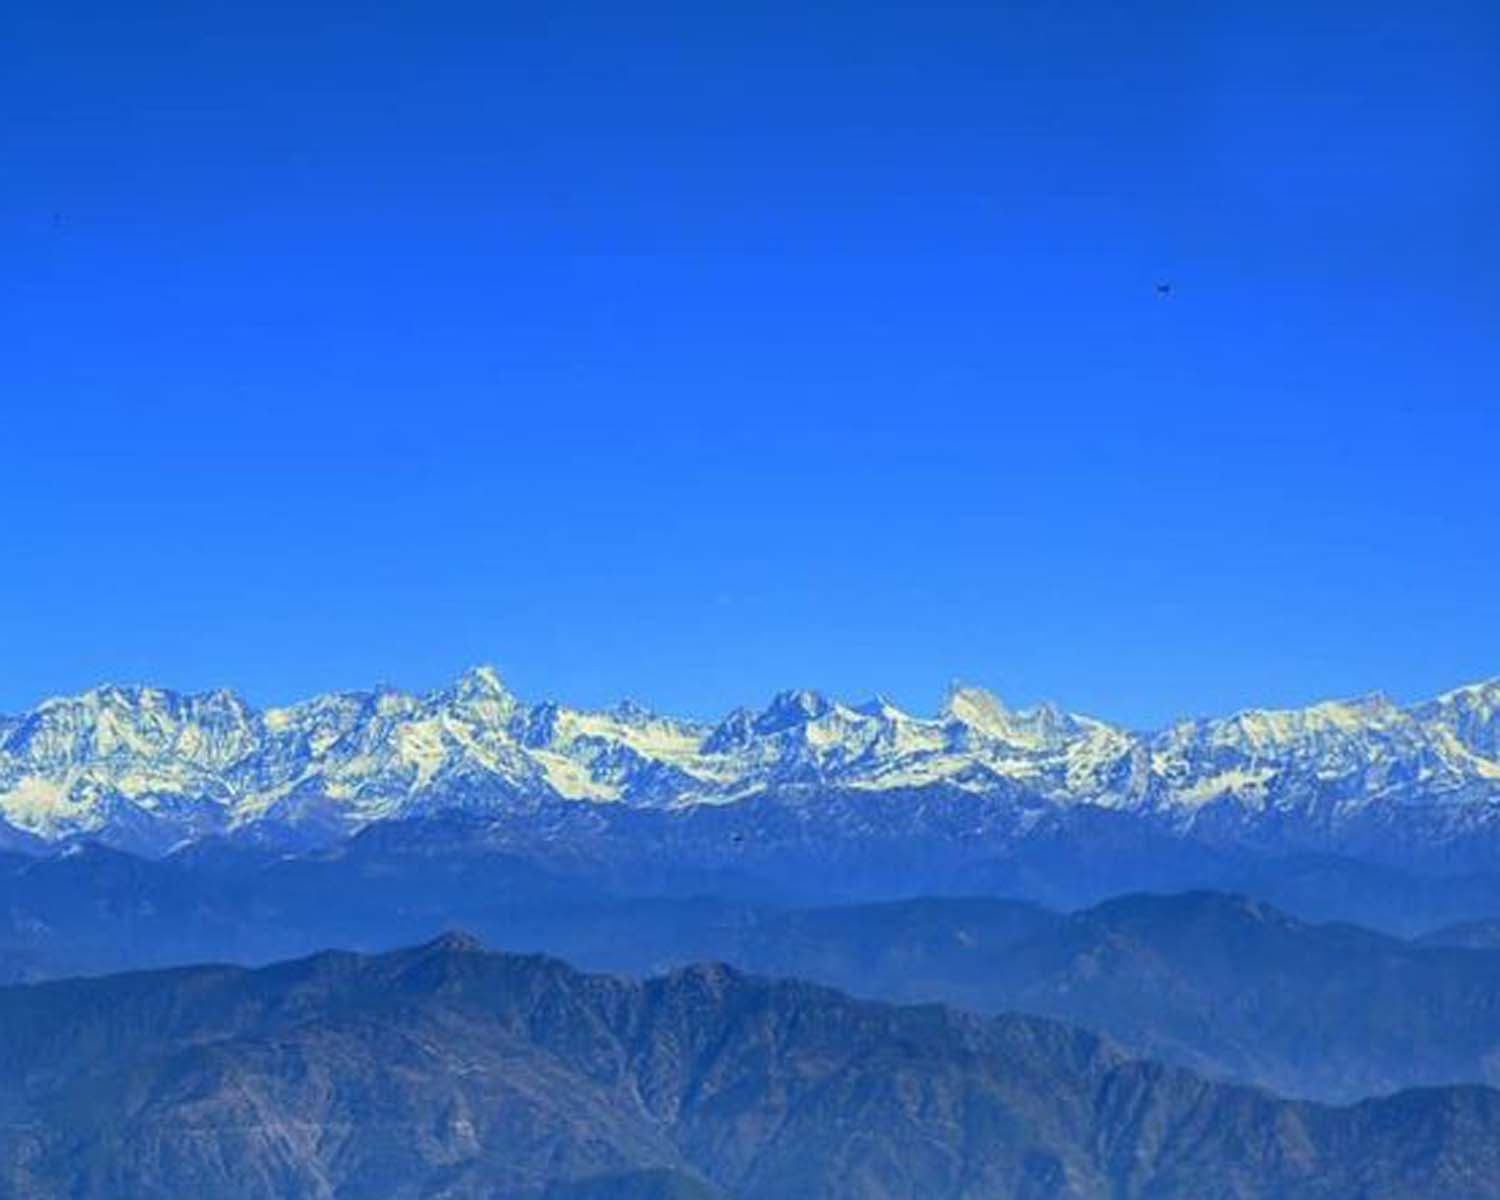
(1228, 986)
(1240, 990)
(89, 908)
(450, 1071)
(1232, 988)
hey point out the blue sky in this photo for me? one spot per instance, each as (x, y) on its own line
(692, 351)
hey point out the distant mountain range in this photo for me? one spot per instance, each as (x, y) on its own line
(149, 769)
(1229, 986)
(900, 858)
(449, 1071)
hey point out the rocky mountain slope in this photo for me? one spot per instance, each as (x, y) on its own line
(150, 769)
(1229, 986)
(447, 1070)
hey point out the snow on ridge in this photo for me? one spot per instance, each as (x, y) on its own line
(76, 764)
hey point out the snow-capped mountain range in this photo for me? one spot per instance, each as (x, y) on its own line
(145, 766)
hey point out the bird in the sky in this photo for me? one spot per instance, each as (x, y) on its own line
(1164, 288)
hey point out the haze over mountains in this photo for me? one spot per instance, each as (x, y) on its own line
(448, 1071)
(148, 769)
(1229, 986)
(975, 859)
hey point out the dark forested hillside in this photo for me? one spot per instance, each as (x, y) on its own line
(1230, 986)
(448, 1070)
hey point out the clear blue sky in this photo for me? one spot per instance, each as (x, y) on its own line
(692, 351)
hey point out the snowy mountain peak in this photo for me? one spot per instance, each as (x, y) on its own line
(880, 707)
(144, 766)
(788, 709)
(632, 712)
(987, 715)
(978, 709)
(1473, 713)
(480, 683)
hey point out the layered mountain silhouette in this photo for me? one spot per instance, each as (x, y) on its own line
(1231, 986)
(448, 1070)
(1228, 986)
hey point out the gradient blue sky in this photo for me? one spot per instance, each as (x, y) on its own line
(693, 351)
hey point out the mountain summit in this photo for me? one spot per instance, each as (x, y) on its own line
(142, 766)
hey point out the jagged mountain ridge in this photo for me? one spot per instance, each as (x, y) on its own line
(143, 765)
(448, 1070)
